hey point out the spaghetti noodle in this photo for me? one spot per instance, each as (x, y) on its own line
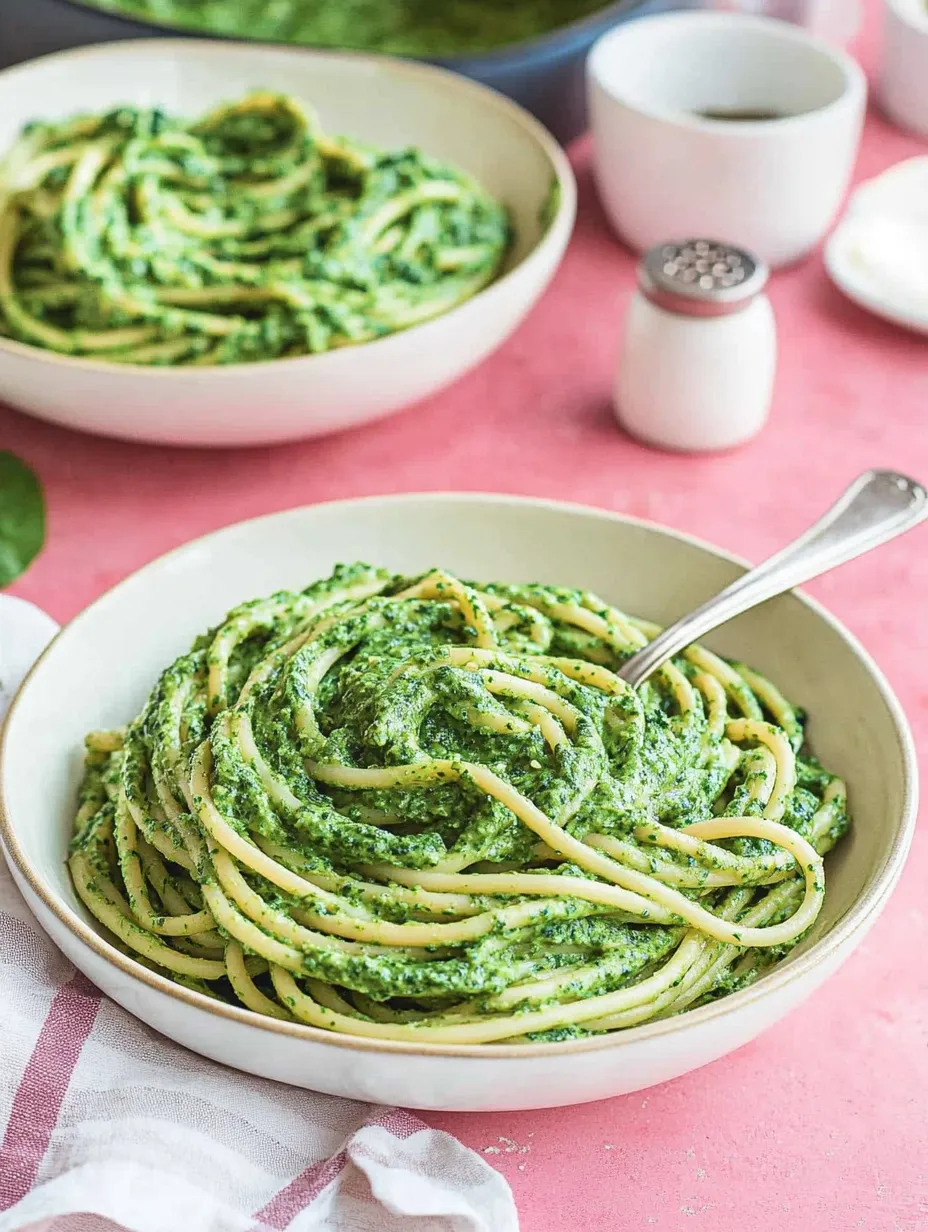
(426, 810)
(247, 235)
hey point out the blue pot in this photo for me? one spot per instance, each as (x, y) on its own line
(545, 75)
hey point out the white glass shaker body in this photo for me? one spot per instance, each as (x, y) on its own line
(696, 383)
(699, 352)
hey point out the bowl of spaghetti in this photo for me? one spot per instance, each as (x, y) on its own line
(202, 243)
(397, 831)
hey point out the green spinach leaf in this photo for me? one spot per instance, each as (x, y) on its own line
(22, 517)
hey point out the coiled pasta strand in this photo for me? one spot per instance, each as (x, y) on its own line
(248, 235)
(430, 810)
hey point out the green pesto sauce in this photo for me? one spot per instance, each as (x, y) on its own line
(393, 699)
(245, 235)
(419, 28)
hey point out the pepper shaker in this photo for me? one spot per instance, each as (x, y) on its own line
(698, 357)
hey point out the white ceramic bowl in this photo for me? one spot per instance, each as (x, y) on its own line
(390, 103)
(902, 81)
(666, 172)
(100, 667)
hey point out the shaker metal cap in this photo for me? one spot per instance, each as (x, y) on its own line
(701, 278)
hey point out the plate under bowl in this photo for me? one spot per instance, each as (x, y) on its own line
(99, 669)
(388, 103)
(890, 203)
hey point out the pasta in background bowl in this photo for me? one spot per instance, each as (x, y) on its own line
(245, 235)
(854, 725)
(435, 214)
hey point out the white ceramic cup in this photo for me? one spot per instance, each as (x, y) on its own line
(666, 172)
(903, 74)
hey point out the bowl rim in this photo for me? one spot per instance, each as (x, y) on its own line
(858, 915)
(855, 283)
(509, 54)
(859, 290)
(853, 93)
(554, 236)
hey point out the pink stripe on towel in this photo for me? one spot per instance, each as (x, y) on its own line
(305, 1188)
(43, 1086)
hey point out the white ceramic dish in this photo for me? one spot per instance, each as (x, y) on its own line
(666, 172)
(902, 79)
(878, 254)
(387, 102)
(104, 662)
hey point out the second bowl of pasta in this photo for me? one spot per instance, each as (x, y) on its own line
(205, 244)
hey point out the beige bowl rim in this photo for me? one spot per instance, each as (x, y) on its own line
(855, 919)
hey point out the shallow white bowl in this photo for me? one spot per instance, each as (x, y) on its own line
(389, 103)
(100, 668)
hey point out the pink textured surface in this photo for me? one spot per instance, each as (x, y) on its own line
(821, 1123)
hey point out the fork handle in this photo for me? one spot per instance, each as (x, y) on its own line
(874, 509)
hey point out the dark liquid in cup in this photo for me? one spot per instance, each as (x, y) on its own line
(740, 115)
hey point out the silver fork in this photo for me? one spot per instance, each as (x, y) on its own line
(876, 508)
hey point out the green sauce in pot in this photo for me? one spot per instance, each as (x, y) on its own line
(423, 28)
